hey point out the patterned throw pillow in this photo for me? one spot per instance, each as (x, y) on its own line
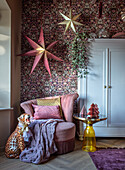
(50, 102)
(46, 112)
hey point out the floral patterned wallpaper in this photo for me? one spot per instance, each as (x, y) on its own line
(46, 12)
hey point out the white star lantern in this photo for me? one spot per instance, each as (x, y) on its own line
(70, 21)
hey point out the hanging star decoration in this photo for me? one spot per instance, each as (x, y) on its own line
(70, 21)
(40, 51)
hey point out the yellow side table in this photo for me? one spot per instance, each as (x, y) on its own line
(89, 141)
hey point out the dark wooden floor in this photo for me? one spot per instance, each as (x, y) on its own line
(77, 159)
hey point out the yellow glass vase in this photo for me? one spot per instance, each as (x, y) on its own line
(89, 141)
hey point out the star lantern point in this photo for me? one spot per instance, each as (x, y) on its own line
(40, 51)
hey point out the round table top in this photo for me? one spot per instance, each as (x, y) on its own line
(89, 120)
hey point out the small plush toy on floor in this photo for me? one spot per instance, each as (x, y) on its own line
(93, 111)
(15, 143)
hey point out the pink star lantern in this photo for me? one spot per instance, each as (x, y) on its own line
(39, 51)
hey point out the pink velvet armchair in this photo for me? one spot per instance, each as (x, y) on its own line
(65, 131)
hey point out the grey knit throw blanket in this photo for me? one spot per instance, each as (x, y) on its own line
(42, 144)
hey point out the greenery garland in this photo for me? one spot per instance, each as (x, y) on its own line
(79, 51)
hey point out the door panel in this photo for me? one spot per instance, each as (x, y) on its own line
(117, 90)
(96, 81)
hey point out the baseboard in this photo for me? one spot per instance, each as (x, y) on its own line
(109, 131)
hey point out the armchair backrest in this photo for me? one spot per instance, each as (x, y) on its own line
(67, 102)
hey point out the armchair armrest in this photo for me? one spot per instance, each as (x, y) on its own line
(27, 106)
(67, 102)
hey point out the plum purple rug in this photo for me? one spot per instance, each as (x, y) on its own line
(109, 159)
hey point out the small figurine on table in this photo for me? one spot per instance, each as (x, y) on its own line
(93, 112)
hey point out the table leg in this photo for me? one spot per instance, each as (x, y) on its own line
(89, 141)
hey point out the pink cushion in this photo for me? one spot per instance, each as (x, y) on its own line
(46, 112)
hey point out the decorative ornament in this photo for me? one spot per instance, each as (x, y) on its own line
(40, 51)
(93, 111)
(119, 35)
(83, 112)
(123, 15)
(70, 21)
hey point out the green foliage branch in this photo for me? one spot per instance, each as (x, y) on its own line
(79, 51)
